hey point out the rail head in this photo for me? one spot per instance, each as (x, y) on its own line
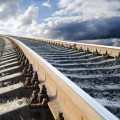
(73, 101)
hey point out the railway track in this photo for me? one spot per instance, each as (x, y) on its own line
(95, 73)
(16, 97)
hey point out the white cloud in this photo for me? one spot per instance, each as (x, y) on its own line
(9, 8)
(64, 3)
(47, 4)
(19, 25)
(29, 15)
(88, 8)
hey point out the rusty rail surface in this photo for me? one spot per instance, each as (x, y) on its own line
(64, 95)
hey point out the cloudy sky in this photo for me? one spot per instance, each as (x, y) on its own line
(61, 19)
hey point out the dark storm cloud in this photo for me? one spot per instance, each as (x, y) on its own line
(91, 29)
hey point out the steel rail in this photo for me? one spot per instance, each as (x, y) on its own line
(102, 49)
(64, 95)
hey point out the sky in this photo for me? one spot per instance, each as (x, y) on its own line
(61, 19)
